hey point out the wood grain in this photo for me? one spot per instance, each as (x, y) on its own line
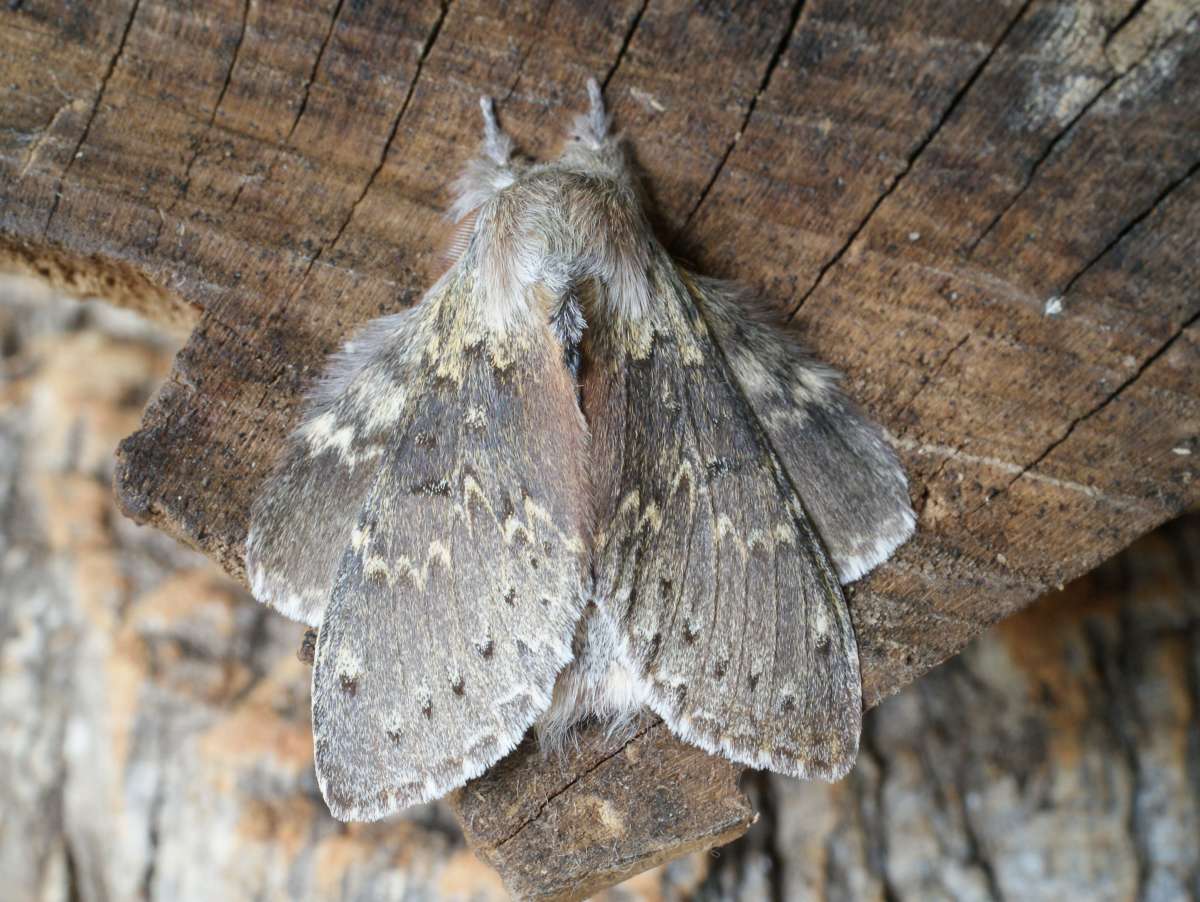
(985, 213)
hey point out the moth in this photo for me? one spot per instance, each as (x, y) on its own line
(574, 480)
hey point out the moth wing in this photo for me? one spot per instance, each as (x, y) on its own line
(301, 520)
(731, 612)
(459, 591)
(843, 469)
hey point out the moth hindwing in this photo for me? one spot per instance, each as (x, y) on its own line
(845, 473)
(301, 521)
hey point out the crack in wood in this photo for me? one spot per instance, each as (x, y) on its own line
(202, 141)
(932, 378)
(1116, 30)
(772, 847)
(871, 806)
(781, 48)
(87, 127)
(43, 136)
(948, 454)
(1111, 663)
(962, 92)
(387, 145)
(383, 155)
(308, 82)
(1132, 224)
(625, 42)
(536, 815)
(527, 52)
(237, 49)
(1087, 415)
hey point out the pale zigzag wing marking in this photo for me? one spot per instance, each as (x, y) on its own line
(301, 521)
(844, 471)
(457, 599)
(731, 611)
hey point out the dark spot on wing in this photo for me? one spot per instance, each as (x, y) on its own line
(655, 647)
(689, 636)
(718, 467)
(349, 685)
(427, 708)
(459, 686)
(486, 649)
(685, 484)
(719, 670)
(665, 588)
(425, 440)
(789, 704)
(510, 597)
(433, 487)
(754, 677)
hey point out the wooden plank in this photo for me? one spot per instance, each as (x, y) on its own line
(985, 213)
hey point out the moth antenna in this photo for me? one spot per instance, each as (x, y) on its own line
(497, 145)
(596, 101)
(483, 177)
(592, 127)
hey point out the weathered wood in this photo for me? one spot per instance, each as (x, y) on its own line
(986, 213)
(622, 804)
(59, 273)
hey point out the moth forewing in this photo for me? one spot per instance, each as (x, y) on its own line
(459, 589)
(731, 611)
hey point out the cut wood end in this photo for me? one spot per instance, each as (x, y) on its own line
(610, 809)
(59, 272)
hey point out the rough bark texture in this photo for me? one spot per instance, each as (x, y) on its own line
(157, 743)
(987, 213)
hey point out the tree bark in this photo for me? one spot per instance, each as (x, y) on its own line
(985, 213)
